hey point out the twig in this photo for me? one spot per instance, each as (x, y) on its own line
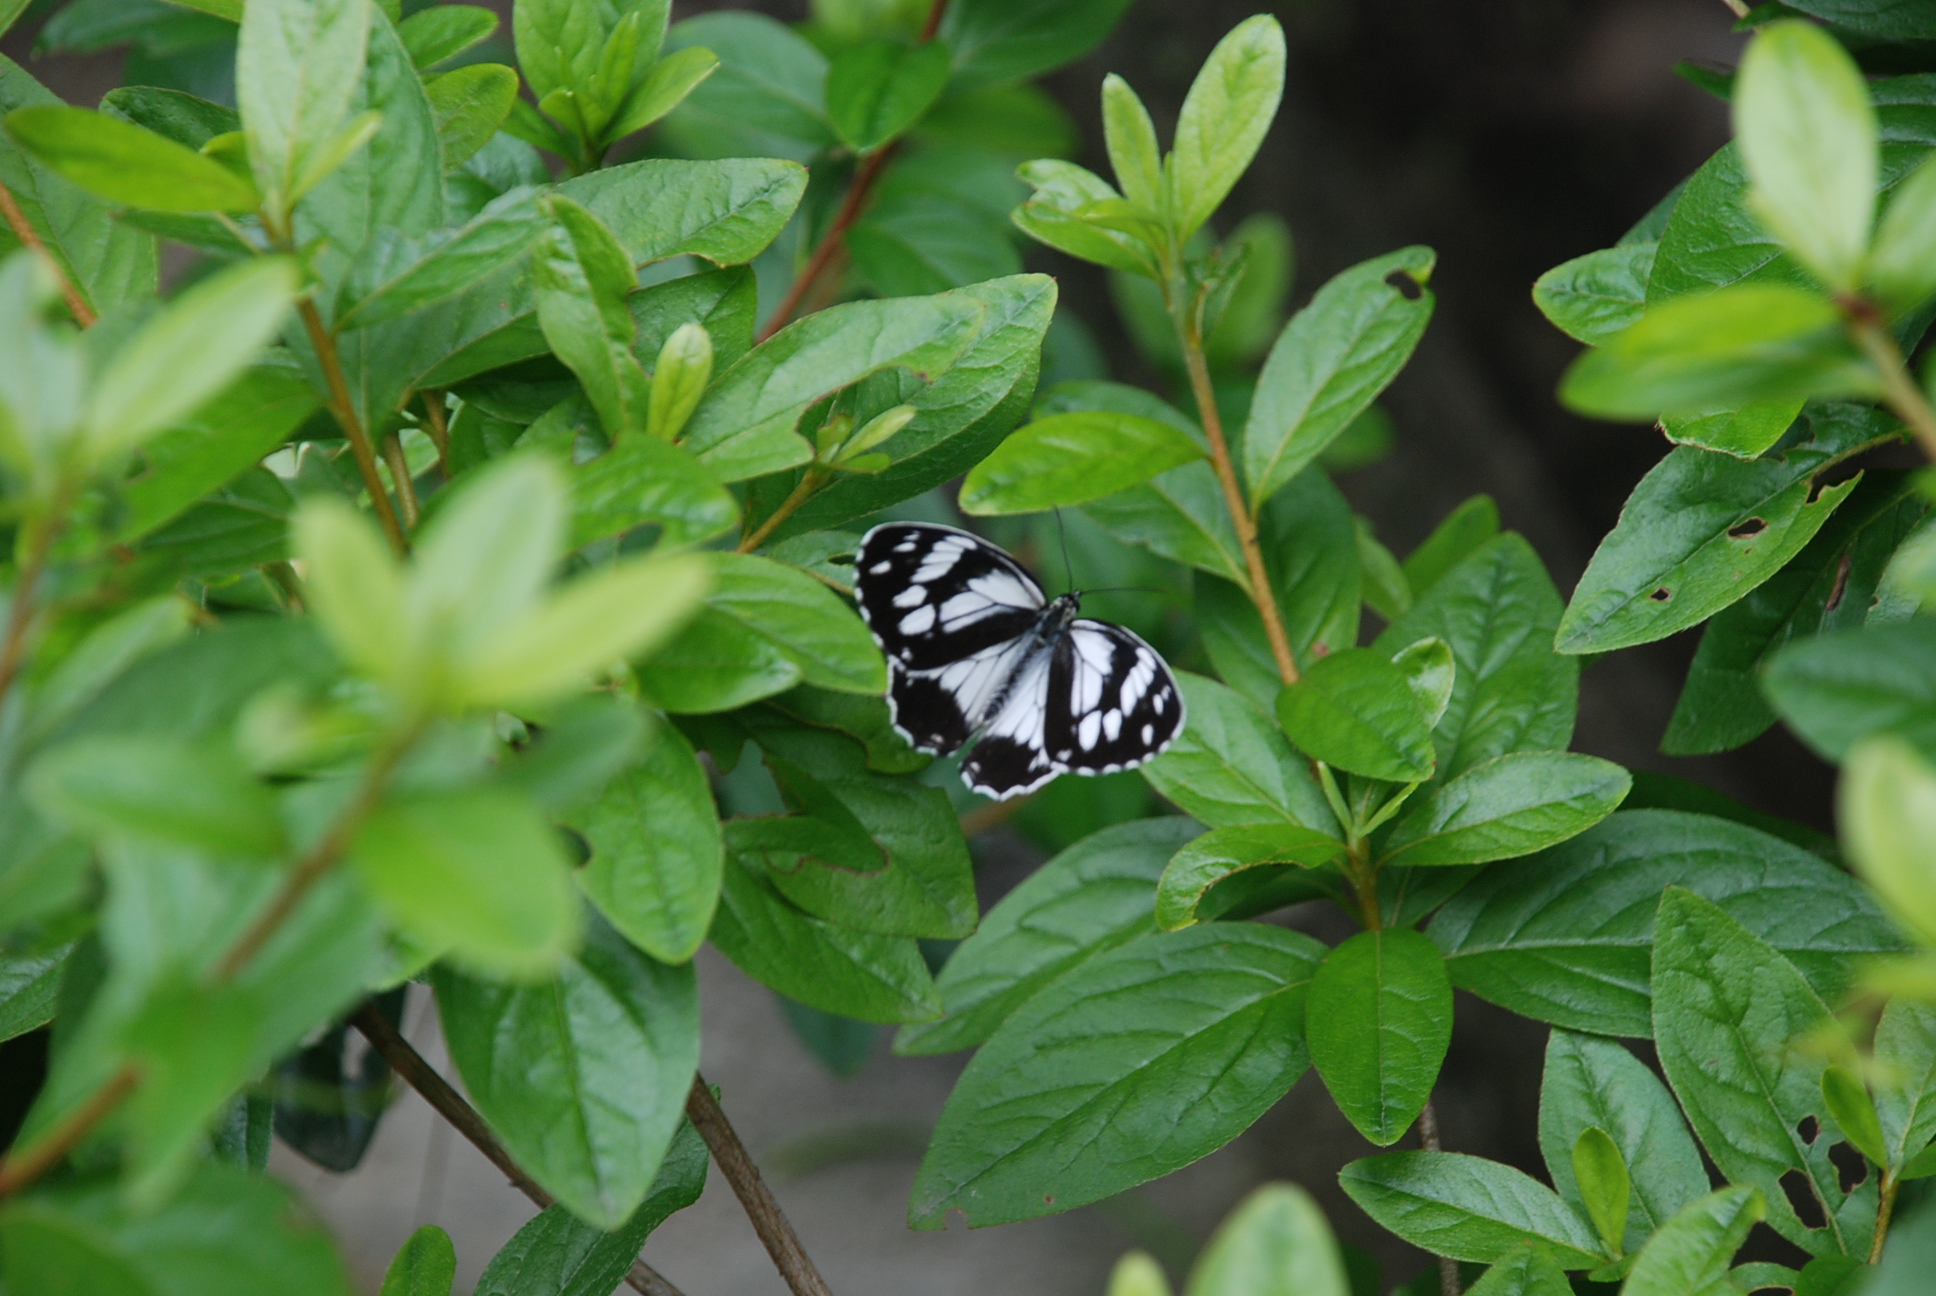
(411, 1067)
(345, 411)
(20, 611)
(936, 12)
(1898, 388)
(991, 816)
(729, 1154)
(23, 230)
(1885, 1207)
(400, 474)
(1428, 1137)
(20, 1169)
(1240, 514)
(808, 485)
(830, 243)
(438, 427)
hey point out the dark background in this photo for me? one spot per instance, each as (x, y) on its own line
(1510, 135)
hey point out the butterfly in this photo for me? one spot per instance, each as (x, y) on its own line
(976, 654)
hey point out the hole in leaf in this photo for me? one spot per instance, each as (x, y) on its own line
(843, 560)
(1851, 1167)
(1801, 1198)
(1661, 595)
(1754, 526)
(1810, 1129)
(1407, 287)
(1841, 586)
(1048, 1199)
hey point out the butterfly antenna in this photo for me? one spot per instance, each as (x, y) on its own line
(1068, 568)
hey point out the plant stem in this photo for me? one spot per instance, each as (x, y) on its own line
(345, 411)
(400, 474)
(20, 610)
(438, 427)
(808, 485)
(20, 1169)
(1898, 388)
(1885, 1207)
(1428, 1137)
(1233, 493)
(831, 242)
(729, 1154)
(936, 12)
(23, 230)
(411, 1067)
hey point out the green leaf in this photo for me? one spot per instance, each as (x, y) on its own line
(825, 966)
(1386, 591)
(29, 986)
(999, 40)
(1905, 1085)
(1225, 852)
(226, 1231)
(470, 104)
(1565, 936)
(1466, 1207)
(584, 1077)
(1136, 1274)
(1807, 136)
(156, 789)
(1691, 1253)
(1092, 897)
(745, 425)
(1600, 1173)
(1057, 214)
(1702, 530)
(125, 163)
(1429, 671)
(1331, 361)
(1180, 515)
(186, 354)
(298, 66)
(473, 870)
(1231, 767)
(559, 43)
(1072, 459)
(1379, 1019)
(109, 262)
(1829, 586)
(1594, 297)
(1355, 710)
(399, 284)
(802, 618)
(1594, 1083)
(1743, 344)
(1510, 805)
(1274, 1243)
(558, 1254)
(664, 88)
(1525, 1270)
(642, 482)
(1213, 1043)
(444, 31)
(1885, 805)
(1745, 433)
(1854, 1112)
(768, 98)
(1224, 118)
(1134, 153)
(656, 850)
(876, 90)
(583, 277)
(1463, 531)
(1905, 241)
(725, 211)
(425, 1265)
(1727, 1008)
(1838, 689)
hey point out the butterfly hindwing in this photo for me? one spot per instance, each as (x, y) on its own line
(1115, 704)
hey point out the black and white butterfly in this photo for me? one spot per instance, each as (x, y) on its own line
(975, 653)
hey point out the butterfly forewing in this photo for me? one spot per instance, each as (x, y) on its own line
(1114, 702)
(933, 595)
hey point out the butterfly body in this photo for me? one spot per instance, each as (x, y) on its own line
(976, 654)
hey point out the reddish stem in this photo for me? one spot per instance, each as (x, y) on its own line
(24, 231)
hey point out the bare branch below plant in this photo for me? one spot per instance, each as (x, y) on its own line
(730, 1155)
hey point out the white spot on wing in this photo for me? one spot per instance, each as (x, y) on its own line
(1112, 724)
(1089, 730)
(912, 596)
(917, 621)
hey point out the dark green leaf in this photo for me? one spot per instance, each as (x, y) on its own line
(878, 89)
(583, 1077)
(1073, 1099)
(1226, 852)
(1727, 1010)
(723, 302)
(1353, 709)
(767, 100)
(29, 984)
(1467, 1208)
(1703, 529)
(1839, 688)
(1008, 40)
(1565, 935)
(1378, 1020)
(1090, 898)
(640, 482)
(1231, 767)
(1072, 459)
(1593, 297)
(1510, 805)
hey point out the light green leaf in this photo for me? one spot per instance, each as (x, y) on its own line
(1854, 1112)
(1834, 690)
(583, 277)
(1055, 215)
(1807, 135)
(1331, 361)
(1136, 1274)
(1379, 1019)
(1274, 1243)
(1225, 852)
(1887, 806)
(159, 789)
(1072, 459)
(584, 1077)
(1600, 1174)
(1526, 1270)
(492, 239)
(470, 105)
(444, 31)
(1727, 1008)
(1071, 1101)
(664, 88)
(656, 853)
(1224, 118)
(1905, 241)
(679, 378)
(1354, 709)
(1463, 531)
(1905, 1085)
(1595, 297)
(125, 163)
(1430, 671)
(474, 870)
(1134, 154)
(1511, 805)
(1691, 1253)
(425, 1265)
(297, 69)
(355, 587)
(1467, 1208)
(1090, 898)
